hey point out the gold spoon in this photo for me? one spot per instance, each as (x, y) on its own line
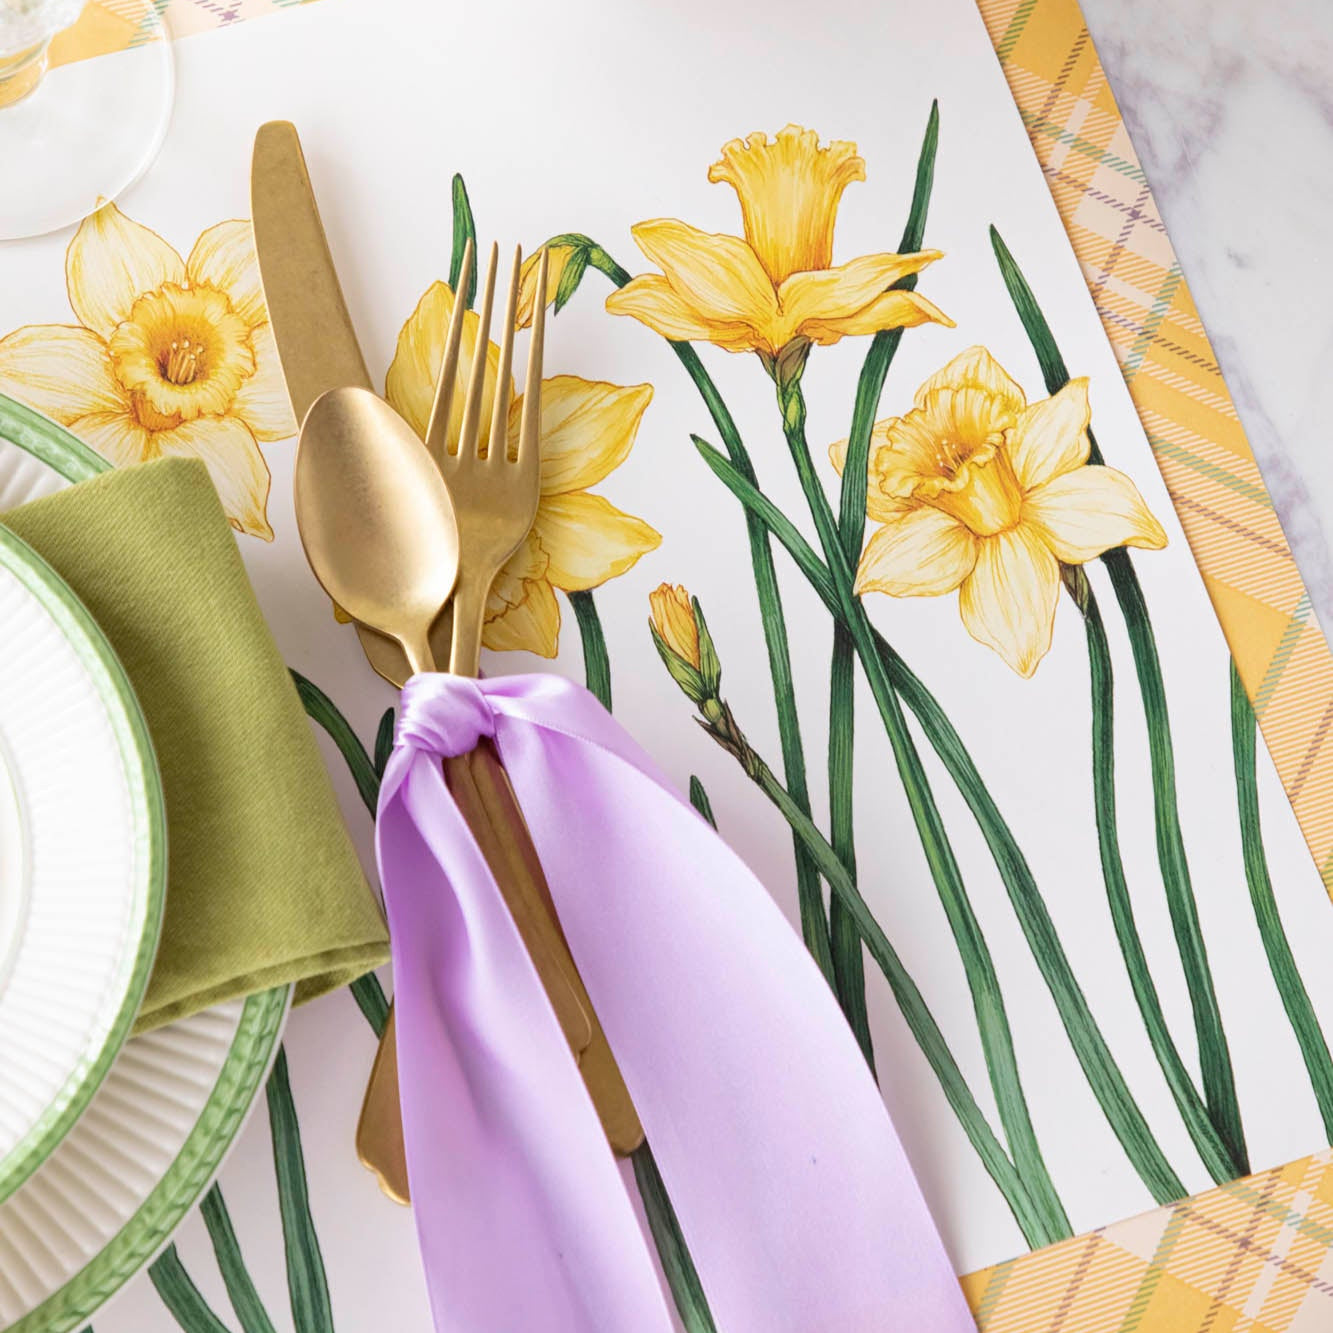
(380, 533)
(376, 519)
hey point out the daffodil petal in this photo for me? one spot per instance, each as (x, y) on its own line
(224, 257)
(923, 553)
(528, 564)
(410, 383)
(61, 370)
(975, 368)
(718, 276)
(110, 263)
(116, 436)
(261, 401)
(880, 504)
(653, 301)
(239, 472)
(531, 625)
(1089, 510)
(587, 429)
(832, 293)
(1008, 601)
(589, 540)
(892, 310)
(1051, 437)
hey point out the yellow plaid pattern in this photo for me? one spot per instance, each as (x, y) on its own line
(1255, 1256)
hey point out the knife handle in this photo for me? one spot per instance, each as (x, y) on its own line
(486, 800)
(601, 1074)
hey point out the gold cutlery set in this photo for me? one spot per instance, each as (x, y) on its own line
(407, 537)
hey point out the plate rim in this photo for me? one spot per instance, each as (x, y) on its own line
(255, 1046)
(98, 659)
(148, 1230)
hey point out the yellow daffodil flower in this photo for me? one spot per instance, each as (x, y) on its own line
(979, 491)
(170, 357)
(673, 619)
(578, 540)
(777, 287)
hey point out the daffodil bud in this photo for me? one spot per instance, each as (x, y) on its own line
(673, 619)
(564, 273)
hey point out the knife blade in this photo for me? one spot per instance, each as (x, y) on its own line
(316, 341)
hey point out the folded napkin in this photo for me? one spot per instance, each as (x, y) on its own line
(264, 887)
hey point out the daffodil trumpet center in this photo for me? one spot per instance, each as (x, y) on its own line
(973, 482)
(182, 353)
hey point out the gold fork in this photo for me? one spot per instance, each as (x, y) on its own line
(495, 496)
(495, 501)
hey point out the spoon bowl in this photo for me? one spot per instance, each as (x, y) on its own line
(375, 518)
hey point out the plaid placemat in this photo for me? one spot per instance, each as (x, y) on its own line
(1255, 1256)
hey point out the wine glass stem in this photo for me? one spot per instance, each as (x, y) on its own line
(21, 72)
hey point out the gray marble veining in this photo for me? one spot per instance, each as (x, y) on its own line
(1230, 104)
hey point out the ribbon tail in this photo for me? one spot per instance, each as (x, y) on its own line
(793, 1191)
(522, 1216)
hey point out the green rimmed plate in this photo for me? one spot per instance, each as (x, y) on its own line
(109, 1197)
(82, 859)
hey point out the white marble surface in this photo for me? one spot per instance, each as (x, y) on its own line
(1230, 104)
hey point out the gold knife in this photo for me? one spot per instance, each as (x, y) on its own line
(318, 350)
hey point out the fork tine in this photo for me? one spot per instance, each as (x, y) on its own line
(469, 439)
(437, 432)
(500, 416)
(530, 426)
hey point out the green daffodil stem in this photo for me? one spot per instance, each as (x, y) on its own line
(1089, 1045)
(848, 963)
(1037, 1228)
(814, 919)
(983, 981)
(1211, 1148)
(1286, 975)
(180, 1295)
(1219, 1083)
(682, 1277)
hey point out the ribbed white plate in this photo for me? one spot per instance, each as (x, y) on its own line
(82, 859)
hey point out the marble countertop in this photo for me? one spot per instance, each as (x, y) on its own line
(1230, 104)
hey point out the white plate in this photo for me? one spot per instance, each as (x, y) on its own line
(110, 1195)
(82, 859)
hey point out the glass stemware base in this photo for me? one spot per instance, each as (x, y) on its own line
(75, 133)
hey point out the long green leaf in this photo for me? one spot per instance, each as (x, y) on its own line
(306, 1282)
(699, 800)
(370, 999)
(181, 1297)
(1212, 1150)
(465, 230)
(235, 1276)
(978, 964)
(814, 920)
(1103, 1074)
(596, 663)
(319, 706)
(383, 742)
(682, 1278)
(1281, 961)
(1219, 1082)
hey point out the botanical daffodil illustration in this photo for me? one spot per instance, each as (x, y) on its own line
(982, 493)
(579, 539)
(777, 289)
(170, 357)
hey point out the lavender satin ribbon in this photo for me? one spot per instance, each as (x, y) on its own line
(792, 1190)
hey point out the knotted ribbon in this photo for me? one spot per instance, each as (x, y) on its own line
(790, 1185)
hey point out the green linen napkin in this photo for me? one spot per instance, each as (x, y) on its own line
(263, 887)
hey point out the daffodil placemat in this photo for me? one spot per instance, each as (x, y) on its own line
(908, 555)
